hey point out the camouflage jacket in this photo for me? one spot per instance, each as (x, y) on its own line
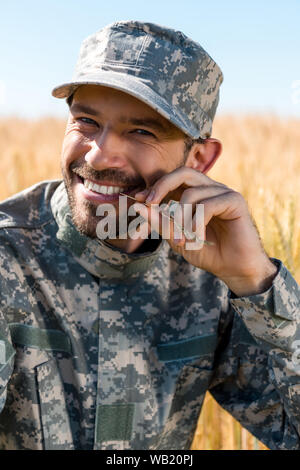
(100, 349)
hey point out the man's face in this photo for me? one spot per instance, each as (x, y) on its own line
(117, 142)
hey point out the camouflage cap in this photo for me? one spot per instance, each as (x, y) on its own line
(158, 65)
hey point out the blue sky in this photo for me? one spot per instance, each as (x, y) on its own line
(256, 44)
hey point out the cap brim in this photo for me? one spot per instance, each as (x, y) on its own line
(138, 89)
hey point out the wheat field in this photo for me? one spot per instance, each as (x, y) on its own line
(260, 159)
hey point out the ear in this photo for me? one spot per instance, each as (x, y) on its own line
(203, 156)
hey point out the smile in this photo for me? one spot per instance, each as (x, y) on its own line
(104, 192)
(103, 189)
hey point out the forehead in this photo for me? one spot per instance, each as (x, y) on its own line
(106, 100)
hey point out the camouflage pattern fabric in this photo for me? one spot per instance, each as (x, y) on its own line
(160, 66)
(100, 349)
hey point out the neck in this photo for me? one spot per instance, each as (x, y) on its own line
(128, 246)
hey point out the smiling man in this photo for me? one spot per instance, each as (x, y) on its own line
(114, 143)
(112, 344)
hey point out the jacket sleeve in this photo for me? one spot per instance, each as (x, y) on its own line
(7, 287)
(7, 354)
(257, 364)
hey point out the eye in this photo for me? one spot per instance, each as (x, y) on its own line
(85, 120)
(143, 132)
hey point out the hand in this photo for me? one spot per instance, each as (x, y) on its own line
(237, 256)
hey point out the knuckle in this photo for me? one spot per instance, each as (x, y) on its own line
(189, 192)
(189, 170)
(238, 198)
(179, 170)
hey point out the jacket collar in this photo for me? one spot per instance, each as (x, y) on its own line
(97, 256)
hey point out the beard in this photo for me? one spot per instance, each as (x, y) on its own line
(84, 212)
(83, 217)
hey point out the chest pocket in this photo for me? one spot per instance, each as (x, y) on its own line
(38, 353)
(186, 374)
(187, 362)
(187, 350)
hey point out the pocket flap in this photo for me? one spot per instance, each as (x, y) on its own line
(188, 348)
(47, 340)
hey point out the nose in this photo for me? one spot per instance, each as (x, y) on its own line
(106, 151)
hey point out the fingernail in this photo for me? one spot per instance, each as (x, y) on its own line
(145, 191)
(151, 196)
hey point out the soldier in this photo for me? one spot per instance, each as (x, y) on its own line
(112, 344)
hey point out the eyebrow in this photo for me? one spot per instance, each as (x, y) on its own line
(82, 108)
(147, 122)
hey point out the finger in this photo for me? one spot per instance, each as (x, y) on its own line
(159, 222)
(189, 205)
(228, 206)
(173, 180)
(142, 195)
(198, 223)
(183, 218)
(198, 193)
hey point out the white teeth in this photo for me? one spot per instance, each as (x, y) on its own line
(102, 189)
(110, 190)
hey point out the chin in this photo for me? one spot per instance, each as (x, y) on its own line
(83, 211)
(84, 221)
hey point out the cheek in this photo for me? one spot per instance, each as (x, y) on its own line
(148, 164)
(74, 146)
(154, 162)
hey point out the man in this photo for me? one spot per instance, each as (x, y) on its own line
(112, 344)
